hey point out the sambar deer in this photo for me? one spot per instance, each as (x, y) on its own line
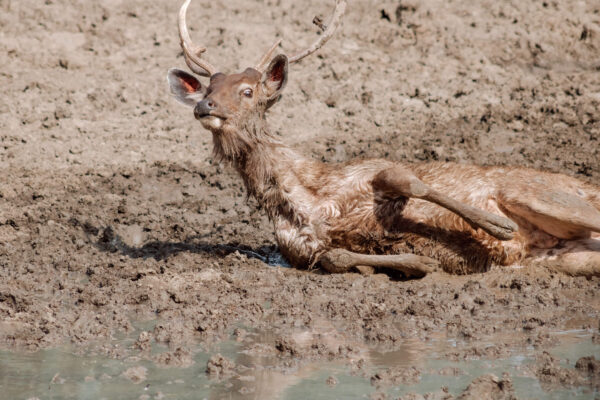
(369, 214)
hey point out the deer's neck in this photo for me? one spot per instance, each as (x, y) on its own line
(267, 166)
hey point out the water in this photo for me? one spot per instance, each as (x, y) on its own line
(62, 374)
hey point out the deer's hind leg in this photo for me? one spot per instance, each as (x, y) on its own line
(558, 205)
(573, 257)
(398, 181)
(561, 222)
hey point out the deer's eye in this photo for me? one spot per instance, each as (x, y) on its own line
(247, 92)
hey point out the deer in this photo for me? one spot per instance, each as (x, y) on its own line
(371, 215)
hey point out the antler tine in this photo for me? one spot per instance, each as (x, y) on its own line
(340, 8)
(191, 52)
(265, 59)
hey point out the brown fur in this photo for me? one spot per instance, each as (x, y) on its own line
(316, 207)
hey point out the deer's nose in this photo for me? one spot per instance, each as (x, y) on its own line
(204, 107)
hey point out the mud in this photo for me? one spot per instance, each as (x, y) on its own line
(589, 367)
(441, 395)
(489, 387)
(219, 367)
(396, 376)
(113, 211)
(136, 374)
(552, 374)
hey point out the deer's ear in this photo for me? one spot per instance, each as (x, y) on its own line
(275, 77)
(186, 88)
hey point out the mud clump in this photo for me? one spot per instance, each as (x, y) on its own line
(551, 374)
(489, 387)
(480, 352)
(136, 374)
(219, 367)
(314, 345)
(143, 342)
(485, 387)
(589, 367)
(180, 357)
(396, 376)
(331, 381)
(288, 347)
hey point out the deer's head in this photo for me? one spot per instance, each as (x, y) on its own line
(228, 102)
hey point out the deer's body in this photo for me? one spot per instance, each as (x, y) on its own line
(316, 207)
(384, 214)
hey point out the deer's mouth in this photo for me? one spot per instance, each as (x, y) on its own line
(211, 121)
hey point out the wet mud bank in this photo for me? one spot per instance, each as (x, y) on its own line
(112, 210)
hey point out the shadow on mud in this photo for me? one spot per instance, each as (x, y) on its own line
(109, 241)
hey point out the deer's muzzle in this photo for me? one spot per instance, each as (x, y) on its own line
(204, 108)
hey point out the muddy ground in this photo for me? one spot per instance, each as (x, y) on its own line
(112, 210)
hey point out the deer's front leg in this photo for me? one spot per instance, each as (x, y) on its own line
(340, 260)
(400, 181)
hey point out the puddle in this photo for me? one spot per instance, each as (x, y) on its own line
(62, 374)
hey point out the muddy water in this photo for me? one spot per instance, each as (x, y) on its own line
(69, 373)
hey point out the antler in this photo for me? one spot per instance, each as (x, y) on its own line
(340, 8)
(192, 52)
